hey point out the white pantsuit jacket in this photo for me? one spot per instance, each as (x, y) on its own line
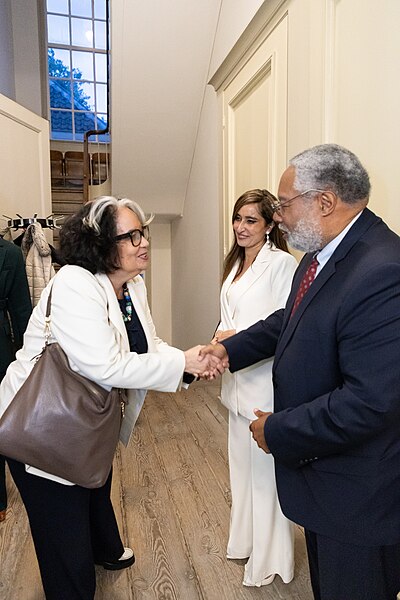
(262, 289)
(86, 321)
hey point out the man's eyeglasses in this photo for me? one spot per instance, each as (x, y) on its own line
(135, 236)
(279, 206)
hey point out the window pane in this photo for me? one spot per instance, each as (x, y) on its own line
(61, 124)
(60, 93)
(101, 97)
(100, 35)
(104, 138)
(82, 33)
(59, 63)
(57, 6)
(82, 65)
(81, 8)
(82, 101)
(101, 67)
(101, 121)
(86, 92)
(102, 124)
(99, 9)
(84, 122)
(58, 29)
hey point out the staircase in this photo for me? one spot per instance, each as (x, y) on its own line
(65, 202)
(67, 182)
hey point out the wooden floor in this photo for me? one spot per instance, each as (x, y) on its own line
(172, 499)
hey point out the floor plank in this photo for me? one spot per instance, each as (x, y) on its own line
(172, 500)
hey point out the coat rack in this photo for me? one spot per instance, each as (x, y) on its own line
(49, 222)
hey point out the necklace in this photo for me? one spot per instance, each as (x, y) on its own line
(128, 304)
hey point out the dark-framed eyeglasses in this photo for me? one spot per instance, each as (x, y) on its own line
(279, 206)
(135, 236)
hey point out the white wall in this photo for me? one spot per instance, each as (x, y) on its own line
(196, 241)
(365, 113)
(20, 53)
(159, 279)
(27, 59)
(344, 86)
(160, 55)
(24, 162)
(7, 81)
(234, 17)
(196, 237)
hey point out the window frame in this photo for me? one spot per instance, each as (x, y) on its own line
(74, 135)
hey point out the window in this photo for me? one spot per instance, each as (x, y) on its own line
(77, 67)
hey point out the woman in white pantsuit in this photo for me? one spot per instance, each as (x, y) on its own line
(258, 272)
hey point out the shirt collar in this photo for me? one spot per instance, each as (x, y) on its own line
(324, 255)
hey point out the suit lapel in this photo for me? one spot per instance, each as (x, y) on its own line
(247, 280)
(363, 223)
(114, 311)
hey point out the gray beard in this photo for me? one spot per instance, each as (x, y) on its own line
(305, 236)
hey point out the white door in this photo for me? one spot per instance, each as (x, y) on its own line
(255, 122)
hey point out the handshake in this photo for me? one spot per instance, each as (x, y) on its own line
(207, 362)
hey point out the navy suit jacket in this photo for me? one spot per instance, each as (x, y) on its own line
(335, 433)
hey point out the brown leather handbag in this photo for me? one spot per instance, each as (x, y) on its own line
(61, 422)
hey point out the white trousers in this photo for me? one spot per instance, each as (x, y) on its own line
(258, 528)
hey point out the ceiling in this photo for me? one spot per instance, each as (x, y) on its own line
(160, 67)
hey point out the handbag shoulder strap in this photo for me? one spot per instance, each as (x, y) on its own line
(48, 307)
(47, 330)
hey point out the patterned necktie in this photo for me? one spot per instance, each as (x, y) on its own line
(307, 280)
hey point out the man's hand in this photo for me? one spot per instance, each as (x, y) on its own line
(207, 366)
(216, 350)
(257, 429)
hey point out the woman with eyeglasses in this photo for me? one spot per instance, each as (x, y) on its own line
(101, 319)
(256, 281)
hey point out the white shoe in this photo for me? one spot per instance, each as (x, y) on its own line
(128, 553)
(124, 561)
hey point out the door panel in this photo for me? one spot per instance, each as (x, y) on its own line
(255, 121)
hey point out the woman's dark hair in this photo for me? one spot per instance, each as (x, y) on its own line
(87, 239)
(264, 200)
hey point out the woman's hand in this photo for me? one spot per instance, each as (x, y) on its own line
(215, 352)
(207, 367)
(221, 335)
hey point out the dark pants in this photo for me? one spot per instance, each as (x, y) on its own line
(346, 572)
(72, 527)
(3, 489)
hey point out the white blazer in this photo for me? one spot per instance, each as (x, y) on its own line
(86, 321)
(262, 289)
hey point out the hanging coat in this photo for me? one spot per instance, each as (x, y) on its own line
(38, 260)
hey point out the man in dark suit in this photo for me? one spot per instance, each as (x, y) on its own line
(335, 432)
(15, 310)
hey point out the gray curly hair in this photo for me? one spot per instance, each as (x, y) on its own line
(332, 167)
(100, 204)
